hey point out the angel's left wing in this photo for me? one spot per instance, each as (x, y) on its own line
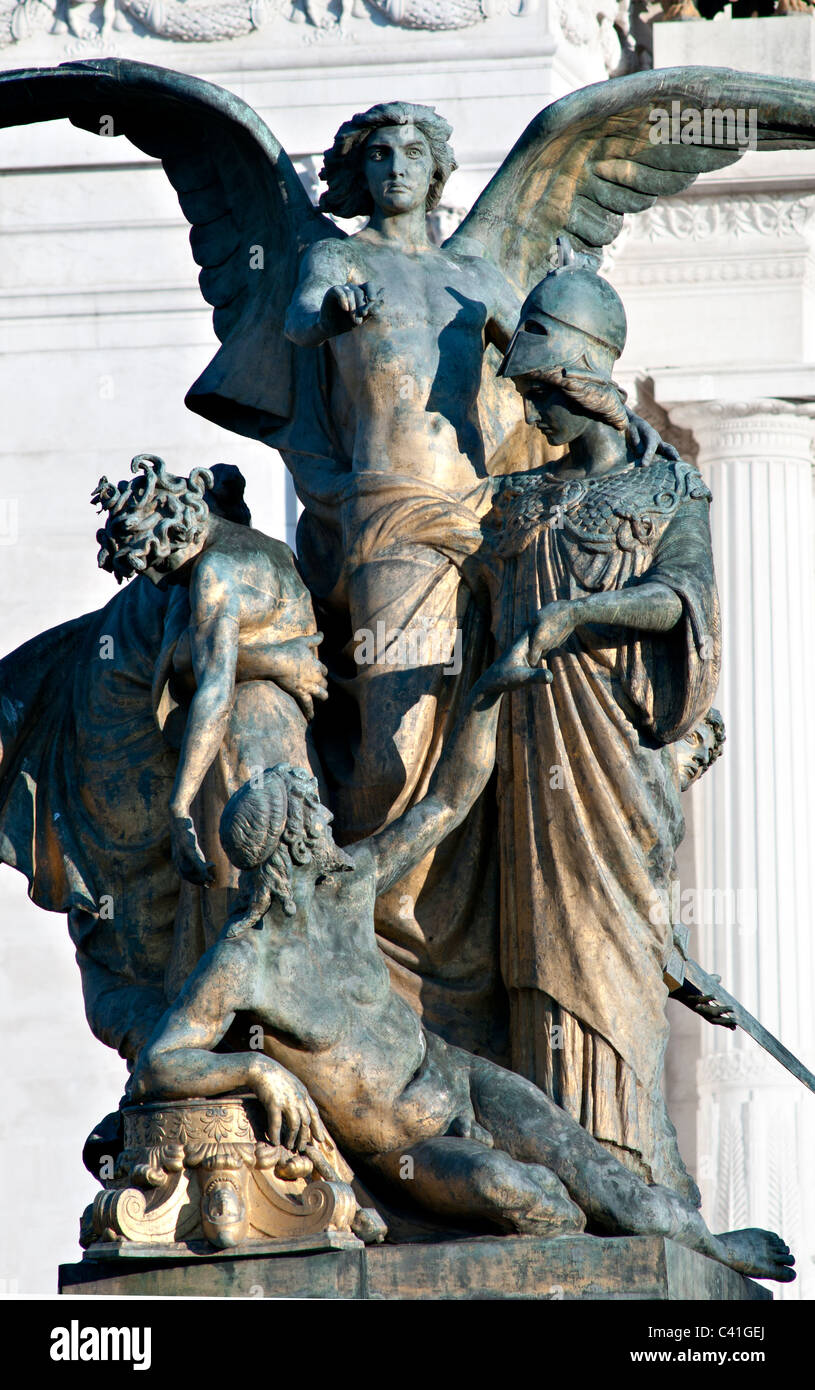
(251, 217)
(599, 153)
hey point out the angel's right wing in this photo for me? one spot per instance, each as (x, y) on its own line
(251, 217)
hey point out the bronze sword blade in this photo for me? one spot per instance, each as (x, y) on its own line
(706, 984)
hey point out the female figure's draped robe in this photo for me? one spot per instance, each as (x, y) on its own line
(589, 813)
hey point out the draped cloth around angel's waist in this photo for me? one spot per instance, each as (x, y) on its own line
(396, 552)
(589, 813)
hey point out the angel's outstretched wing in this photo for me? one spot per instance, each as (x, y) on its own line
(251, 217)
(595, 155)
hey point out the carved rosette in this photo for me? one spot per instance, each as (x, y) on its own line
(199, 1171)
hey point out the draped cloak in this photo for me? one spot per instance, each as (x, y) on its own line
(85, 783)
(589, 812)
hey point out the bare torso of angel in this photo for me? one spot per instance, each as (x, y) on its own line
(407, 321)
(405, 398)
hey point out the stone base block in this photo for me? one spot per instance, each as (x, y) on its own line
(572, 1268)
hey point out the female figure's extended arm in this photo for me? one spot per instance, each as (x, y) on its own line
(461, 774)
(650, 607)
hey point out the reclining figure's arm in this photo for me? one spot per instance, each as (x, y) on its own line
(178, 1060)
(462, 772)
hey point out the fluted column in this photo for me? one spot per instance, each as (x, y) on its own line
(754, 815)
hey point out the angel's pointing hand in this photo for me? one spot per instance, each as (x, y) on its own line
(344, 302)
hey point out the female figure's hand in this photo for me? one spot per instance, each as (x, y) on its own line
(513, 670)
(647, 441)
(554, 624)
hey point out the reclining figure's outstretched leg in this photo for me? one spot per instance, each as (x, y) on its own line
(526, 1124)
(463, 1179)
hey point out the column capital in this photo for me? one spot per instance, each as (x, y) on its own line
(765, 427)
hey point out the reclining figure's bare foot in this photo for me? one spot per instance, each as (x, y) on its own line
(761, 1254)
(654, 1210)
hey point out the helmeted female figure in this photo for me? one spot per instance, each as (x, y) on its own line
(615, 560)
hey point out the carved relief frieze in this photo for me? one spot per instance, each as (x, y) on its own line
(85, 24)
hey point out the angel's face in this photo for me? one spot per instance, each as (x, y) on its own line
(551, 411)
(398, 166)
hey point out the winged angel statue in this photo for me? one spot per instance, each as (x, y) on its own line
(370, 361)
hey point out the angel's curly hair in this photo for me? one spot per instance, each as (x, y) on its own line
(267, 827)
(347, 194)
(150, 516)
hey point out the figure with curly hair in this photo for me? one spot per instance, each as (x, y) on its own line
(101, 724)
(244, 670)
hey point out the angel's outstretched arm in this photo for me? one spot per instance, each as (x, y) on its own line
(324, 303)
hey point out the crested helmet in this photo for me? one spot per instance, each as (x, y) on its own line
(572, 321)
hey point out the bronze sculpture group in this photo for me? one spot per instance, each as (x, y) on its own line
(459, 967)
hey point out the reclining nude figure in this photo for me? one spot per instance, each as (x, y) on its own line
(299, 955)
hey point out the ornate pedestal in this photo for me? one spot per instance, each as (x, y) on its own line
(199, 1174)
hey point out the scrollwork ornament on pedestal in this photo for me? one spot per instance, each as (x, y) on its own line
(201, 1171)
